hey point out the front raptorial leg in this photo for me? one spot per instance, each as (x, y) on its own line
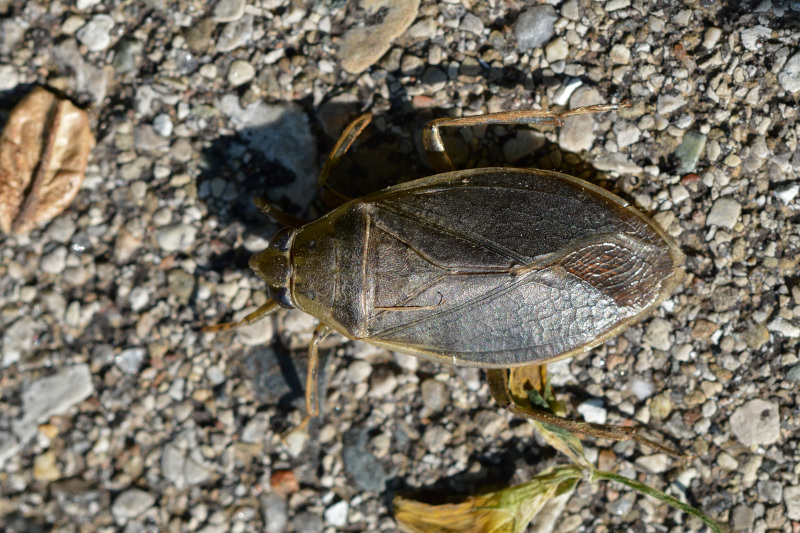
(259, 314)
(498, 384)
(432, 138)
(330, 197)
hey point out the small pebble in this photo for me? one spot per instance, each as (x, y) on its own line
(789, 76)
(756, 422)
(55, 261)
(130, 360)
(434, 394)
(178, 237)
(791, 498)
(689, 151)
(593, 410)
(131, 504)
(534, 27)
(666, 104)
(241, 72)
(96, 34)
(336, 514)
(229, 10)
(724, 212)
(435, 79)
(435, 438)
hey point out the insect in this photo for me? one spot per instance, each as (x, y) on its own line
(490, 267)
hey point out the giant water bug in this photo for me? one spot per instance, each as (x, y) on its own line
(490, 267)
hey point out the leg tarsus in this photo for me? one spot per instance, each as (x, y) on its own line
(262, 312)
(498, 384)
(432, 139)
(330, 197)
(312, 374)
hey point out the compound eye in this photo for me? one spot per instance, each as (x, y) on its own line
(282, 297)
(282, 239)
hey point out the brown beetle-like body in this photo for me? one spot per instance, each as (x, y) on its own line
(491, 267)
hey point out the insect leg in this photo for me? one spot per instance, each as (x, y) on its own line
(432, 138)
(284, 219)
(262, 312)
(330, 197)
(498, 383)
(312, 388)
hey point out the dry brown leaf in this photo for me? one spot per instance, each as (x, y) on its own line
(44, 149)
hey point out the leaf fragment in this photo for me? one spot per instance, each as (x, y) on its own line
(44, 149)
(505, 511)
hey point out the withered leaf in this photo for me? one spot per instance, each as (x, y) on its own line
(44, 149)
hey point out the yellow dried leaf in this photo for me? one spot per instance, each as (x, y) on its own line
(44, 148)
(506, 511)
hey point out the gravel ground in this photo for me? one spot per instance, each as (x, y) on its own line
(117, 413)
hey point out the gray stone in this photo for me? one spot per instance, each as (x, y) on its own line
(743, 518)
(786, 193)
(534, 27)
(556, 50)
(235, 34)
(751, 36)
(791, 498)
(656, 463)
(131, 504)
(434, 394)
(577, 133)
(789, 77)
(307, 522)
(689, 151)
(617, 162)
(177, 237)
(725, 212)
(793, 374)
(435, 438)
(641, 389)
(241, 72)
(657, 334)
(275, 512)
(61, 229)
(18, 340)
(770, 491)
(162, 124)
(367, 473)
(470, 67)
(55, 261)
(126, 55)
(666, 104)
(96, 34)
(130, 360)
(434, 78)
(146, 139)
(593, 410)
(784, 327)
(756, 423)
(472, 24)
(81, 76)
(336, 514)
(52, 395)
(524, 143)
(229, 10)
(181, 284)
(627, 133)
